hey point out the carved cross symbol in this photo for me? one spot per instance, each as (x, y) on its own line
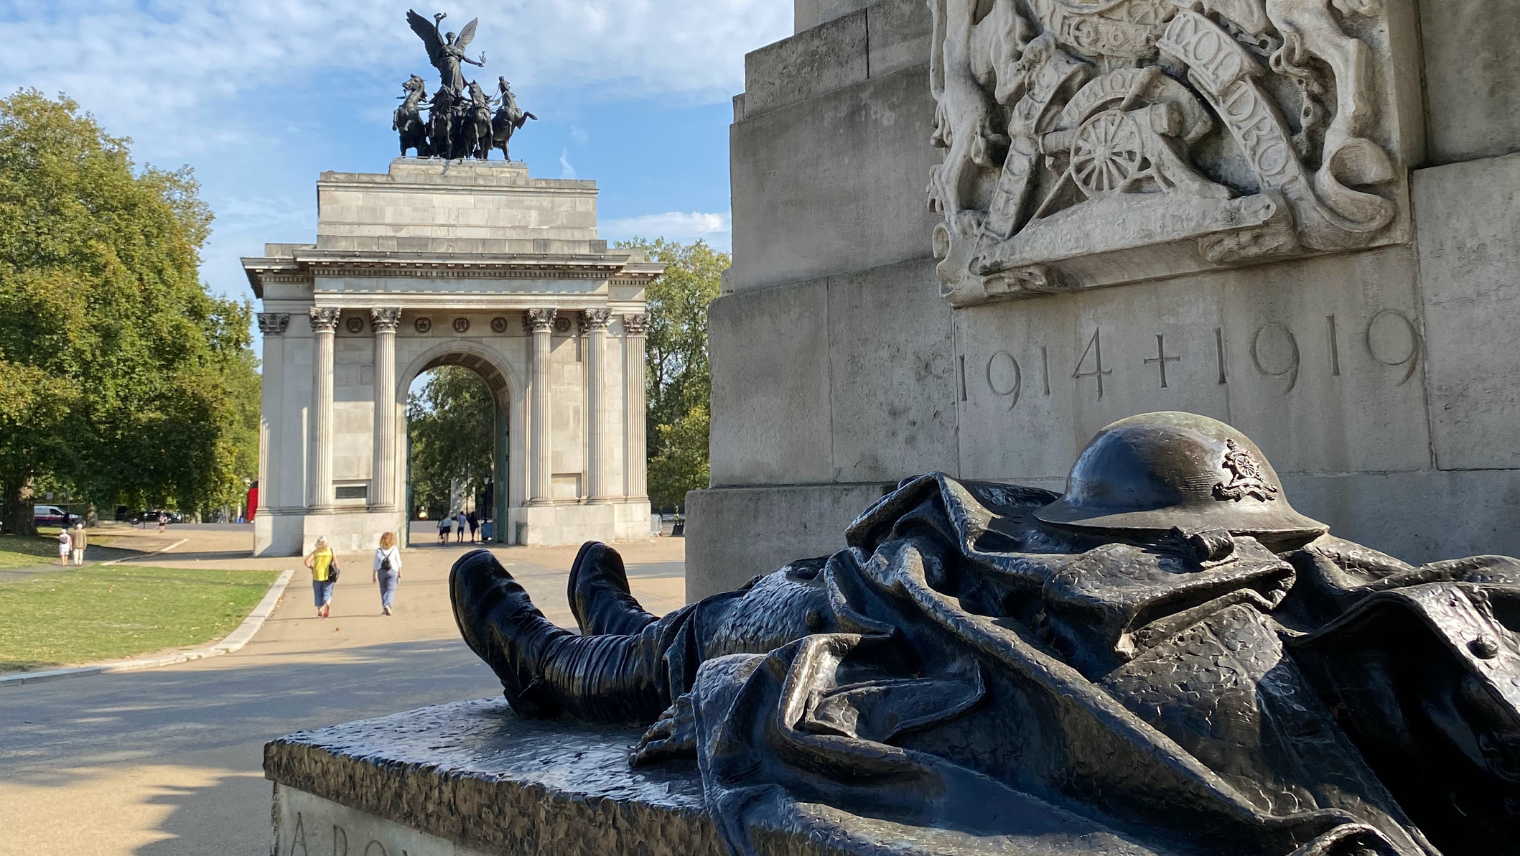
(1161, 359)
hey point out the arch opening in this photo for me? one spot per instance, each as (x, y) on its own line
(457, 449)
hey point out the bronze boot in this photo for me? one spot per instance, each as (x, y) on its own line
(599, 595)
(545, 670)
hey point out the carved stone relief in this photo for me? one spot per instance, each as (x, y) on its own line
(1096, 142)
(274, 323)
(386, 318)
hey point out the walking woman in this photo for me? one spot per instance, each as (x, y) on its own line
(321, 564)
(387, 570)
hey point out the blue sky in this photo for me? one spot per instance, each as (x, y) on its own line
(260, 96)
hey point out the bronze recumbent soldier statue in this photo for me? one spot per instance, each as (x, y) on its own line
(1168, 659)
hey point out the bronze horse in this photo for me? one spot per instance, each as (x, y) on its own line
(441, 123)
(408, 123)
(509, 117)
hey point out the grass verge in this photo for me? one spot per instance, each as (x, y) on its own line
(95, 613)
(18, 551)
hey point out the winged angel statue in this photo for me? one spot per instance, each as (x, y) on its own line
(445, 50)
(460, 123)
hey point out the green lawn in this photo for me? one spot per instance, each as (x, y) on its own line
(94, 613)
(23, 552)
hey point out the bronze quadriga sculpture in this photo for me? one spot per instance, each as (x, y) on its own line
(1168, 659)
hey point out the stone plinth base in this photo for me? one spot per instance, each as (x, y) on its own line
(549, 525)
(732, 534)
(472, 778)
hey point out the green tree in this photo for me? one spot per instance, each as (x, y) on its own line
(451, 426)
(681, 463)
(679, 385)
(120, 376)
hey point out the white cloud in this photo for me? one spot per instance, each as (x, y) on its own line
(161, 71)
(675, 225)
(565, 169)
(242, 84)
(580, 135)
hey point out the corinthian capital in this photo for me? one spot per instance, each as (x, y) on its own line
(273, 323)
(538, 320)
(385, 318)
(636, 325)
(595, 319)
(324, 318)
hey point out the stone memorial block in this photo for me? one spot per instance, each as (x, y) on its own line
(1222, 206)
(472, 778)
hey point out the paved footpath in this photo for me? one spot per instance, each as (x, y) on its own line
(168, 761)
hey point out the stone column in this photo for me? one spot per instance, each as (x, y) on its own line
(324, 324)
(596, 405)
(635, 461)
(383, 322)
(540, 323)
(271, 419)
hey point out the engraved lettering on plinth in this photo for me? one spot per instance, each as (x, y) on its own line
(1161, 358)
(1004, 370)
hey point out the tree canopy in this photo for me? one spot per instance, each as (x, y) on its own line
(451, 426)
(679, 384)
(121, 378)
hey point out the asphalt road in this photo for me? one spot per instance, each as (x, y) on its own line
(168, 761)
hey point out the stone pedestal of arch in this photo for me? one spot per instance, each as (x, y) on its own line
(476, 265)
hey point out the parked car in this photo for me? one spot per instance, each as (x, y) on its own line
(151, 516)
(51, 515)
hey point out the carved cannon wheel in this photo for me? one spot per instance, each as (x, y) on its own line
(1107, 154)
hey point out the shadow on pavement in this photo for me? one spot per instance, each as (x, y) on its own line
(200, 817)
(147, 717)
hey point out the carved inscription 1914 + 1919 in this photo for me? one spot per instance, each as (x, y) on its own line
(1388, 337)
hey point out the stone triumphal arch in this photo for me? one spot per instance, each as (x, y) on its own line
(473, 264)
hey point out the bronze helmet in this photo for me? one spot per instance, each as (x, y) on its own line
(1152, 472)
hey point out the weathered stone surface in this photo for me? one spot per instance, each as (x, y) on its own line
(898, 32)
(822, 59)
(1470, 280)
(833, 184)
(772, 405)
(1422, 517)
(1472, 78)
(476, 774)
(849, 379)
(487, 206)
(305, 824)
(733, 534)
(892, 375)
(1252, 347)
(807, 14)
